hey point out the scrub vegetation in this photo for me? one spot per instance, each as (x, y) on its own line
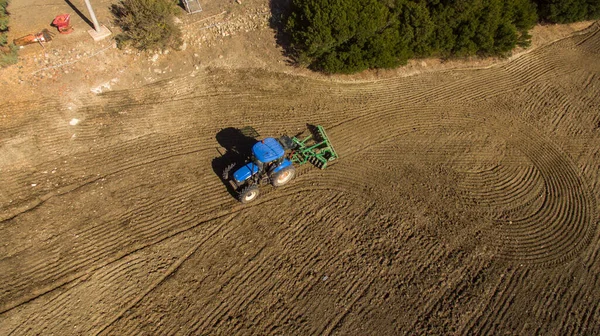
(8, 52)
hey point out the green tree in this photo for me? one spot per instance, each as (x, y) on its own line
(487, 27)
(147, 24)
(3, 17)
(564, 11)
(416, 27)
(8, 52)
(593, 9)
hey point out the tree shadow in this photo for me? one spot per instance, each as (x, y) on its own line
(238, 144)
(280, 11)
(80, 14)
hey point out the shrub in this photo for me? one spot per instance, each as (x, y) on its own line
(147, 24)
(3, 21)
(8, 54)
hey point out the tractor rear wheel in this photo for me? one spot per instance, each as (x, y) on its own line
(227, 170)
(248, 194)
(283, 176)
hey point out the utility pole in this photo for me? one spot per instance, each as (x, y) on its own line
(91, 10)
(99, 32)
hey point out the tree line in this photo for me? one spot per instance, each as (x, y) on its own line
(345, 36)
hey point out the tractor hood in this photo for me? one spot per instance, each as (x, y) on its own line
(268, 150)
(245, 172)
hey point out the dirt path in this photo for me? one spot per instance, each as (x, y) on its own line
(464, 201)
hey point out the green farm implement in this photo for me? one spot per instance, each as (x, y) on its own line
(315, 148)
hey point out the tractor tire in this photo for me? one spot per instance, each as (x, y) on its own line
(283, 176)
(227, 170)
(248, 194)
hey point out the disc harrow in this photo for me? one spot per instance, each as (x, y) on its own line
(315, 148)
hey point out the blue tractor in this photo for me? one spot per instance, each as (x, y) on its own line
(272, 161)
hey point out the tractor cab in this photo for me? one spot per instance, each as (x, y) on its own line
(267, 156)
(268, 151)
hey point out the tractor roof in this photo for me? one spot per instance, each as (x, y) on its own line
(268, 150)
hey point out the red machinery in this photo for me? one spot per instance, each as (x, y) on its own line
(43, 36)
(63, 23)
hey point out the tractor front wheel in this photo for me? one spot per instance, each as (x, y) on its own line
(283, 176)
(248, 194)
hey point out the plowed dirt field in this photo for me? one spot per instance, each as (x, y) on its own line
(464, 201)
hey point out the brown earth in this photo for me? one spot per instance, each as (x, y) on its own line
(464, 200)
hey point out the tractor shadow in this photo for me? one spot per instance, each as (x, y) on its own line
(237, 143)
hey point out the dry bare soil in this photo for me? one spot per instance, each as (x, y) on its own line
(464, 201)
